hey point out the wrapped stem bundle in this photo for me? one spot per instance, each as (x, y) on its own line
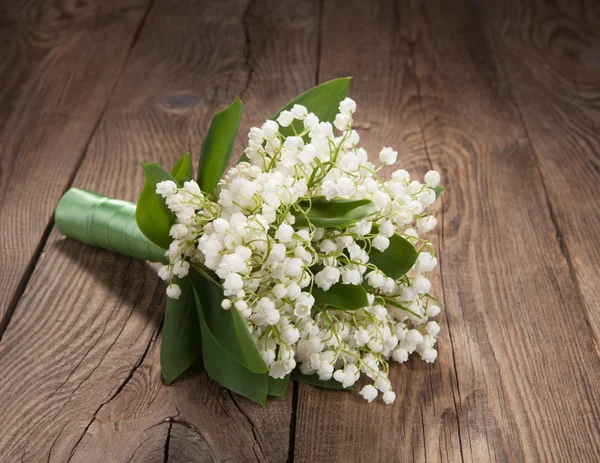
(299, 263)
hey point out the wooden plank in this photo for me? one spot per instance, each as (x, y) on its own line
(80, 358)
(520, 396)
(423, 422)
(553, 66)
(59, 62)
(506, 280)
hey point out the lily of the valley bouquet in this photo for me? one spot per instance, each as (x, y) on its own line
(301, 262)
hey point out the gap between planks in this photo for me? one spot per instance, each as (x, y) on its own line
(14, 302)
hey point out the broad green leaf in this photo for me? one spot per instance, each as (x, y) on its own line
(207, 274)
(439, 190)
(397, 259)
(152, 215)
(181, 345)
(341, 296)
(217, 146)
(277, 387)
(227, 326)
(315, 381)
(334, 213)
(226, 371)
(322, 100)
(183, 170)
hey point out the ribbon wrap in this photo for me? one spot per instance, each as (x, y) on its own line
(105, 222)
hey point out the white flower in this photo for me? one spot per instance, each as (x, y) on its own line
(388, 156)
(376, 279)
(284, 233)
(432, 328)
(277, 370)
(226, 304)
(381, 243)
(351, 276)
(362, 336)
(311, 121)
(299, 112)
(433, 311)
(325, 371)
(293, 267)
(164, 273)
(347, 106)
(387, 229)
(421, 284)
(426, 224)
(369, 393)
(233, 284)
(178, 231)
(414, 337)
(342, 122)
(400, 355)
(270, 129)
(192, 188)
(429, 355)
(173, 291)
(181, 268)
(432, 178)
(290, 335)
(221, 225)
(285, 118)
(426, 262)
(389, 397)
(166, 188)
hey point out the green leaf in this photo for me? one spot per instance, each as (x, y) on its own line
(277, 387)
(397, 259)
(227, 327)
(322, 100)
(217, 146)
(334, 213)
(439, 190)
(207, 274)
(152, 215)
(315, 381)
(183, 170)
(181, 345)
(341, 296)
(226, 371)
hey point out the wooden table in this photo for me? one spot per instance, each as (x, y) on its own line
(502, 97)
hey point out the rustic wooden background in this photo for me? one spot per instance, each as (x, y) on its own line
(502, 97)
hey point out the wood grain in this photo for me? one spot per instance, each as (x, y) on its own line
(90, 343)
(506, 281)
(58, 64)
(552, 62)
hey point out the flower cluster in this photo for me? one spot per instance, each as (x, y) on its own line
(245, 233)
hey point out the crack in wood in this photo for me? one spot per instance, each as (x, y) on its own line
(28, 273)
(117, 392)
(252, 427)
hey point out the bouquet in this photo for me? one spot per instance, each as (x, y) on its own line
(301, 262)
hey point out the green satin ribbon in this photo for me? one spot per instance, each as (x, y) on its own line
(104, 222)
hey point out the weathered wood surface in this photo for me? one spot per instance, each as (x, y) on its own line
(59, 62)
(502, 98)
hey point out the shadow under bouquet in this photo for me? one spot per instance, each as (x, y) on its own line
(299, 263)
